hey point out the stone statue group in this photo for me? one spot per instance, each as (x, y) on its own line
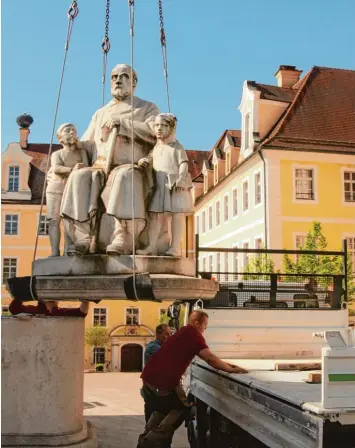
(97, 191)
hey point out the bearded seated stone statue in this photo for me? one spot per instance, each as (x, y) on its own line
(106, 186)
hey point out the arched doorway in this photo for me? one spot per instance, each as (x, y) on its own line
(131, 358)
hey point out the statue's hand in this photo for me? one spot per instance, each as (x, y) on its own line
(144, 162)
(78, 166)
(180, 185)
(113, 121)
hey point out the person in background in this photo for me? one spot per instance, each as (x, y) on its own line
(48, 308)
(161, 379)
(162, 333)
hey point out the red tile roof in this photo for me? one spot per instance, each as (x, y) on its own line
(196, 159)
(322, 114)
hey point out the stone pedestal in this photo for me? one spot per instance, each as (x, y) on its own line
(103, 277)
(42, 383)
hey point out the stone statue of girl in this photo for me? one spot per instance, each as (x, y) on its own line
(171, 199)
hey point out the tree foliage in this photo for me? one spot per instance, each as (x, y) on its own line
(318, 264)
(97, 336)
(260, 263)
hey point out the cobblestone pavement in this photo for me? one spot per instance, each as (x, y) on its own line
(114, 406)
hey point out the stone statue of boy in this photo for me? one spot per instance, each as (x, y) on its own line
(70, 158)
(171, 199)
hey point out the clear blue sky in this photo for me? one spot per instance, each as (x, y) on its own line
(213, 46)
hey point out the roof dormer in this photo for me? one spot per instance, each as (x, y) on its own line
(218, 166)
(249, 108)
(15, 166)
(207, 176)
(231, 154)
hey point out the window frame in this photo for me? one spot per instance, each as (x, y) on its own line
(95, 361)
(228, 162)
(93, 316)
(203, 221)
(210, 217)
(257, 174)
(218, 213)
(245, 256)
(245, 209)
(258, 238)
(314, 169)
(235, 202)
(210, 263)
(14, 178)
(3, 268)
(226, 219)
(17, 223)
(45, 223)
(125, 315)
(352, 182)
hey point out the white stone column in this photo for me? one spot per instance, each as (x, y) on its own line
(42, 382)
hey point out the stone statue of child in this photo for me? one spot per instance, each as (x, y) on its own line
(70, 158)
(171, 199)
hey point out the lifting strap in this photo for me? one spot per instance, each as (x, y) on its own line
(73, 11)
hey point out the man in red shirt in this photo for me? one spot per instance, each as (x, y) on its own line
(48, 308)
(161, 379)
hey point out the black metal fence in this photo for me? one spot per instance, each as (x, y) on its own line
(276, 289)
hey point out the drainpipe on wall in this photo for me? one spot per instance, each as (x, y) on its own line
(265, 200)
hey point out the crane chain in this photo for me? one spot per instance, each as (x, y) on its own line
(105, 47)
(164, 51)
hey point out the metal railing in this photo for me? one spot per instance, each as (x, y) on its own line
(277, 290)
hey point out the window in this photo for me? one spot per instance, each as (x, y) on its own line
(5, 311)
(218, 258)
(197, 229)
(257, 187)
(9, 268)
(14, 178)
(228, 162)
(11, 224)
(304, 184)
(43, 225)
(98, 355)
(245, 256)
(245, 196)
(203, 221)
(247, 131)
(349, 186)
(100, 317)
(351, 251)
(204, 264)
(218, 213)
(210, 264)
(205, 183)
(210, 211)
(300, 241)
(226, 211)
(258, 243)
(215, 173)
(235, 202)
(132, 316)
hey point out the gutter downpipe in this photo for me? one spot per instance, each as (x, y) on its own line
(265, 199)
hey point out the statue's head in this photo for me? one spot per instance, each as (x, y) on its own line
(165, 127)
(121, 82)
(67, 134)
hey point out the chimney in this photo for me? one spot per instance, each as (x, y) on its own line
(287, 75)
(24, 121)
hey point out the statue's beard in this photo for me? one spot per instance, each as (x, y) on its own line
(120, 94)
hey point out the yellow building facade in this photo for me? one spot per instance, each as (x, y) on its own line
(292, 163)
(130, 325)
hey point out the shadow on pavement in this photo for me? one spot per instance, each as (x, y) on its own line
(122, 431)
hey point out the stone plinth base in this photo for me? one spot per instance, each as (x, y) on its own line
(93, 277)
(42, 382)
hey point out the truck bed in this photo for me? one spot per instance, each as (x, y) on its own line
(276, 407)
